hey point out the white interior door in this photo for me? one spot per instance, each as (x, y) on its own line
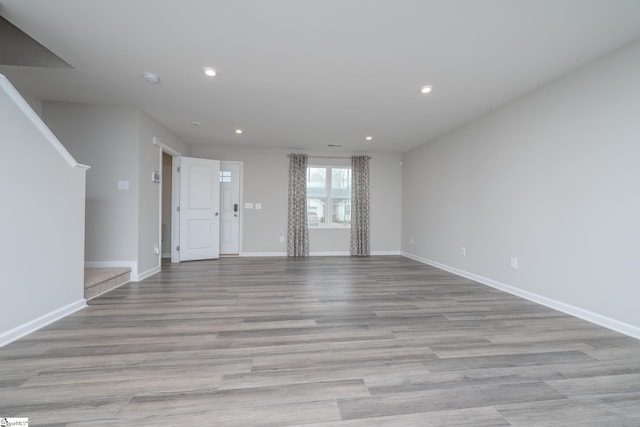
(229, 208)
(199, 208)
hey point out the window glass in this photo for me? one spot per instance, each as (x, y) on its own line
(341, 212)
(316, 182)
(316, 212)
(328, 208)
(340, 182)
(225, 176)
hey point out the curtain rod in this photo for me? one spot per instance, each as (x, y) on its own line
(328, 157)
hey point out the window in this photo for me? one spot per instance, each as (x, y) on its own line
(225, 176)
(329, 196)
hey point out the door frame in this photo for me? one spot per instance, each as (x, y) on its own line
(175, 200)
(240, 165)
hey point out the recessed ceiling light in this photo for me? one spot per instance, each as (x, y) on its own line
(369, 138)
(211, 72)
(151, 77)
(425, 89)
(195, 123)
(238, 131)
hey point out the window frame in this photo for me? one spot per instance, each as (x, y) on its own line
(329, 198)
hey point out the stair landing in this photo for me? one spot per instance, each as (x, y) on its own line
(98, 281)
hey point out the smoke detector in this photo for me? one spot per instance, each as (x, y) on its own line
(151, 77)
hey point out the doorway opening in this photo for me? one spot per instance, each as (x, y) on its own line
(167, 233)
(165, 213)
(183, 193)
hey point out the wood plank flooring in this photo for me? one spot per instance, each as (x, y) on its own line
(379, 341)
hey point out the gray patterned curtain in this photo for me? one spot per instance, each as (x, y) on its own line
(360, 206)
(297, 230)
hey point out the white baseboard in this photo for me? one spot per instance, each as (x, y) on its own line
(328, 253)
(385, 253)
(133, 265)
(256, 254)
(337, 253)
(40, 322)
(589, 316)
(347, 253)
(148, 273)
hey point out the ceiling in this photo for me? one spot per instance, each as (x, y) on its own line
(302, 74)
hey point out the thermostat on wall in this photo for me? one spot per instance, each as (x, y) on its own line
(155, 177)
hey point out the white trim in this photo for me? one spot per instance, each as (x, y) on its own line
(40, 322)
(385, 253)
(160, 187)
(38, 123)
(150, 272)
(165, 148)
(327, 253)
(175, 215)
(133, 265)
(256, 254)
(344, 253)
(589, 316)
(340, 253)
(175, 186)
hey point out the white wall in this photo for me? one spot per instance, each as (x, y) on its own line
(553, 179)
(122, 226)
(265, 181)
(150, 160)
(105, 137)
(41, 208)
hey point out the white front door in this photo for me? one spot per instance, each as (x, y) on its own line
(229, 208)
(199, 208)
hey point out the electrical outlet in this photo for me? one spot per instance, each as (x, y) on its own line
(412, 241)
(281, 239)
(514, 262)
(463, 252)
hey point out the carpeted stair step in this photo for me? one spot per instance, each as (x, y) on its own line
(98, 281)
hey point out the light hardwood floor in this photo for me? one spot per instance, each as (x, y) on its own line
(319, 341)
